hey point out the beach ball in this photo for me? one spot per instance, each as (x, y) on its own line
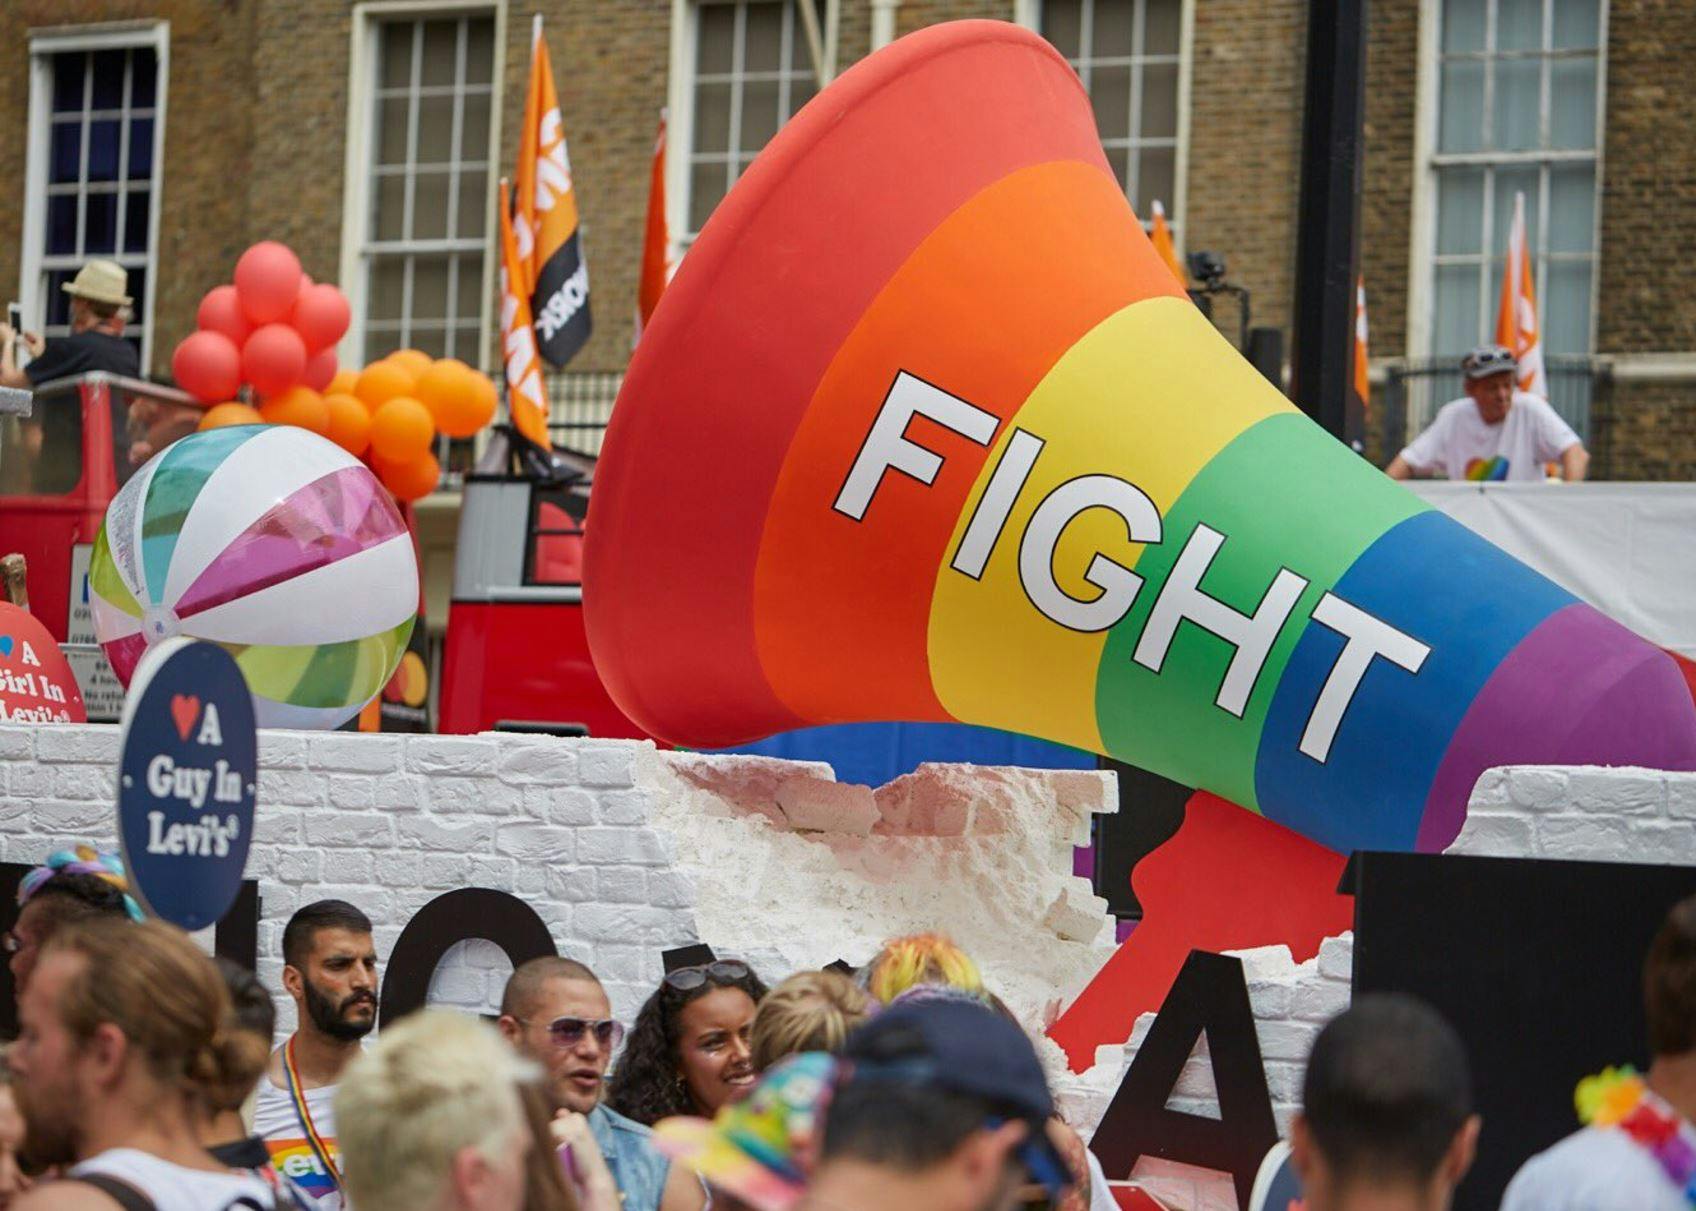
(275, 543)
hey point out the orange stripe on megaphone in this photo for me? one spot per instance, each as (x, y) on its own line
(1150, 396)
(982, 309)
(779, 278)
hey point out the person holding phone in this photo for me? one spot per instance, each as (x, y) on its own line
(96, 342)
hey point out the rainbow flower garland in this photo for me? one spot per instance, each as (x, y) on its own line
(82, 860)
(1617, 1097)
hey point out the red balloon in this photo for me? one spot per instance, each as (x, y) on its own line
(208, 366)
(321, 316)
(220, 311)
(274, 359)
(267, 282)
(320, 369)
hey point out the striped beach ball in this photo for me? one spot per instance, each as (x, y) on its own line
(273, 542)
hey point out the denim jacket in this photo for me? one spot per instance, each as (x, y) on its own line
(637, 1166)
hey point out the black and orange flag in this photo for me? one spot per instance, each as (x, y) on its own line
(526, 395)
(544, 219)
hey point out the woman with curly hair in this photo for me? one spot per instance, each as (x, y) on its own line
(810, 1011)
(689, 1052)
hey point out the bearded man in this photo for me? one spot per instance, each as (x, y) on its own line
(330, 969)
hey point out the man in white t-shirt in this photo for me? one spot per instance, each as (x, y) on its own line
(1608, 1168)
(1494, 432)
(330, 969)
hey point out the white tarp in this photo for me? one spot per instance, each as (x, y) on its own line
(1627, 549)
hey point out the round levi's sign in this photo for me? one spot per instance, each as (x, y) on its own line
(186, 773)
(36, 682)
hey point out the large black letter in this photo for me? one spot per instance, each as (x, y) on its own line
(1208, 995)
(453, 917)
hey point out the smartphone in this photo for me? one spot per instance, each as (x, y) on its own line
(15, 317)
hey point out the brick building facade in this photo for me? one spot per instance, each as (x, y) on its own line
(274, 120)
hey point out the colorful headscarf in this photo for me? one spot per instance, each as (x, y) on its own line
(83, 860)
(762, 1148)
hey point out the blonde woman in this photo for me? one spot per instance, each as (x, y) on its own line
(810, 1011)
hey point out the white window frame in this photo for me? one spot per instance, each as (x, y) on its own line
(363, 71)
(680, 102)
(1028, 13)
(43, 44)
(1428, 163)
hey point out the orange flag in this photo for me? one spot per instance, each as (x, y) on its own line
(656, 240)
(1516, 317)
(1161, 235)
(555, 278)
(1362, 383)
(526, 396)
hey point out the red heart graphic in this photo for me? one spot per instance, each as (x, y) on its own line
(185, 709)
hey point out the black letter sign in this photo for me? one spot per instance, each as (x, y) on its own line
(1208, 995)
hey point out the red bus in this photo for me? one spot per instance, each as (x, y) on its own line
(60, 466)
(516, 656)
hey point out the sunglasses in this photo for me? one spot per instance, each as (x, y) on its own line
(1491, 357)
(726, 971)
(568, 1032)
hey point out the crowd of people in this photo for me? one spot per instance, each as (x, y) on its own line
(145, 1076)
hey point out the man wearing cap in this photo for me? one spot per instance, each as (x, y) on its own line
(96, 341)
(943, 1107)
(1495, 432)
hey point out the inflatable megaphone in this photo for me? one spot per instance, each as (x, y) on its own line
(924, 430)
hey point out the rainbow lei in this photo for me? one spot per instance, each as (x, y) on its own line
(1618, 1097)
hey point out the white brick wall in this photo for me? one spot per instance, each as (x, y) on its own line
(623, 851)
(1604, 815)
(391, 822)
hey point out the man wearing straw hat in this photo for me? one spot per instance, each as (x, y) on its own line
(96, 341)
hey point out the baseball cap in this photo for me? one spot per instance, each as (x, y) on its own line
(1486, 360)
(966, 1048)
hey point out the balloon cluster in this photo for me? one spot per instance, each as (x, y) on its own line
(273, 330)
(388, 414)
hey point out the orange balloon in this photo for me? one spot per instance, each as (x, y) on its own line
(232, 413)
(412, 479)
(415, 361)
(350, 423)
(381, 382)
(490, 398)
(297, 406)
(473, 409)
(401, 430)
(448, 391)
(342, 383)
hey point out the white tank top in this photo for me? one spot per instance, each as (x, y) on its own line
(174, 1188)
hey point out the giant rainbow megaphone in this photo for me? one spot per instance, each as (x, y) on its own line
(924, 430)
